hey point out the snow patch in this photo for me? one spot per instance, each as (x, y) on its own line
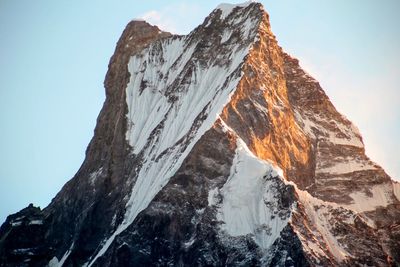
(228, 8)
(189, 243)
(346, 167)
(93, 176)
(54, 261)
(314, 125)
(26, 251)
(320, 219)
(380, 196)
(249, 188)
(352, 141)
(308, 125)
(247, 27)
(15, 224)
(226, 35)
(36, 222)
(212, 196)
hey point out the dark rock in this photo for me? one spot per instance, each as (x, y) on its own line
(277, 110)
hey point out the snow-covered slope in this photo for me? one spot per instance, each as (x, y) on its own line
(173, 98)
(249, 198)
(214, 149)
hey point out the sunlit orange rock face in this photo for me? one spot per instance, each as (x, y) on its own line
(261, 113)
(285, 117)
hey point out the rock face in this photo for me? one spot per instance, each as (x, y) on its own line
(214, 149)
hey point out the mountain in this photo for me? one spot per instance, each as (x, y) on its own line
(214, 149)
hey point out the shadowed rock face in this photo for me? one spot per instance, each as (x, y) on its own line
(83, 210)
(330, 205)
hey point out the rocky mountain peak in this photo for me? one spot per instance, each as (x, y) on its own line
(214, 148)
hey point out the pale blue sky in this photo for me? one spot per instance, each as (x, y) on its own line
(54, 55)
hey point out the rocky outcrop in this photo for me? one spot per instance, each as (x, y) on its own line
(214, 149)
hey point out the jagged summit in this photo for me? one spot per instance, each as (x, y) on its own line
(226, 9)
(214, 148)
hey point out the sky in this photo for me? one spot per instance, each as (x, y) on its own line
(54, 56)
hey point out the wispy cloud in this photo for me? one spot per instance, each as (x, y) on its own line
(174, 18)
(161, 20)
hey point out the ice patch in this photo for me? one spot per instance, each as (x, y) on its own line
(249, 188)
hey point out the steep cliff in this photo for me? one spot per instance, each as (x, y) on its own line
(214, 149)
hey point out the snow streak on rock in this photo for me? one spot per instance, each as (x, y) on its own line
(378, 196)
(178, 124)
(337, 133)
(226, 9)
(320, 213)
(173, 99)
(55, 263)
